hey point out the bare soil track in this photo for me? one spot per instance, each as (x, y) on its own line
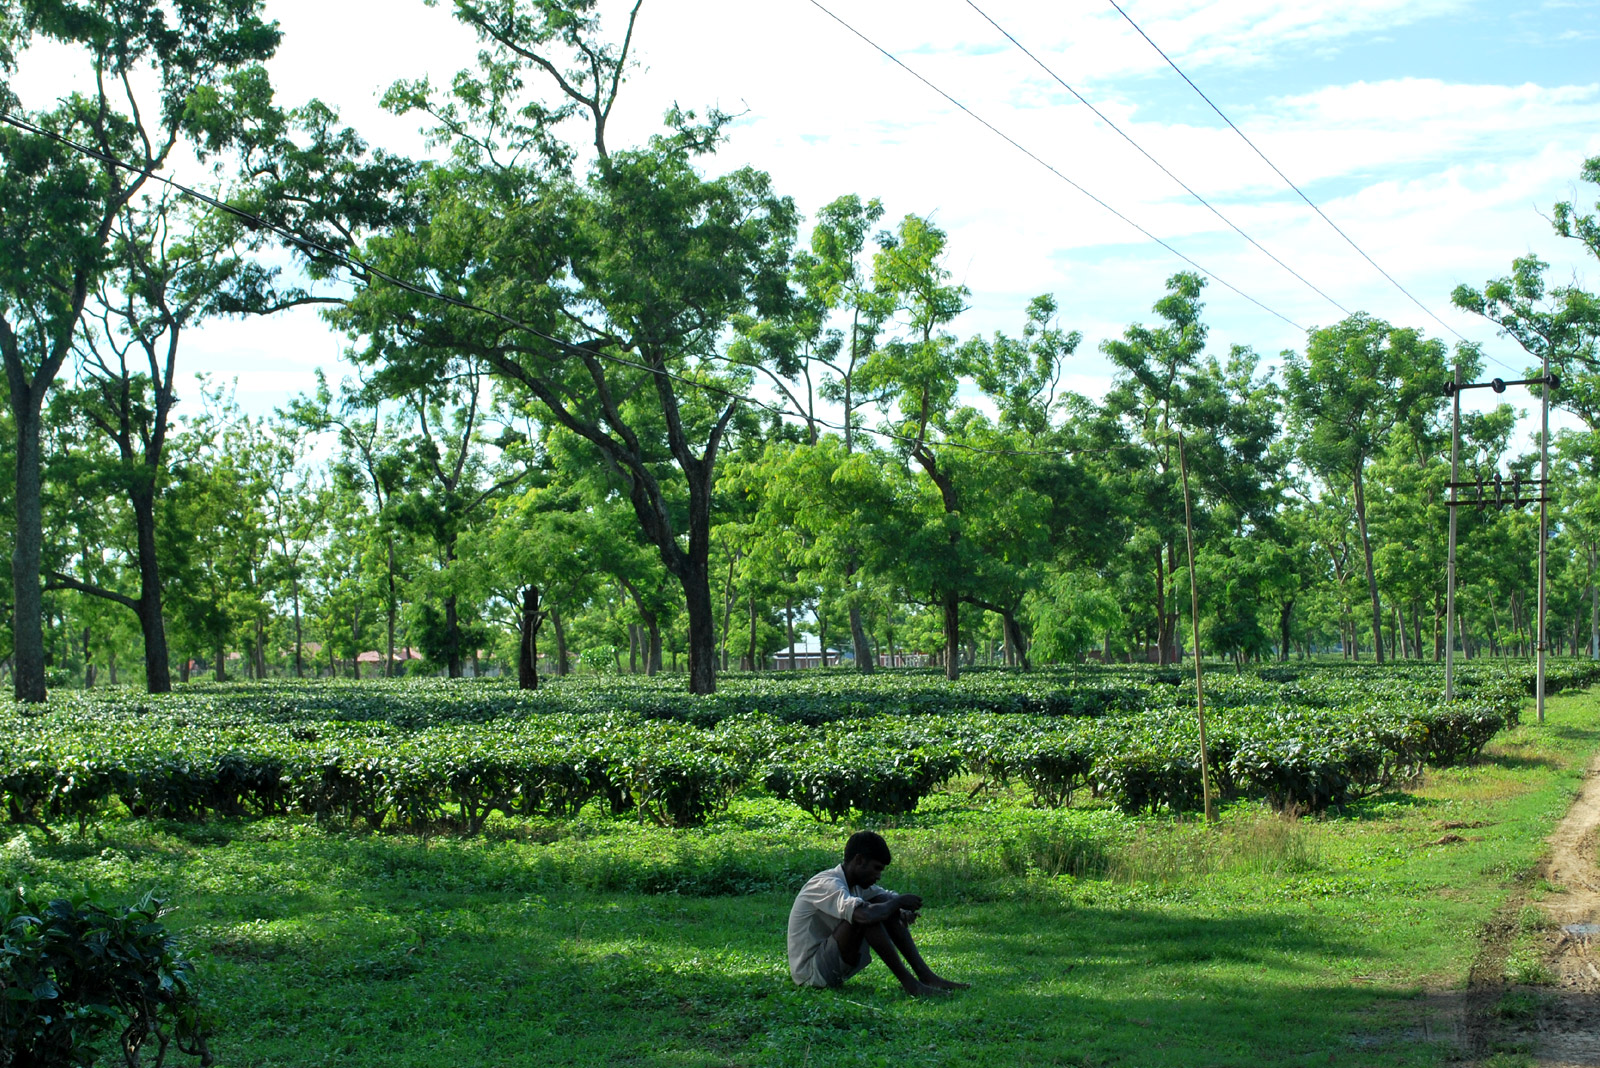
(1561, 1027)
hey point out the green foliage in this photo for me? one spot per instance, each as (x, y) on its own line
(73, 970)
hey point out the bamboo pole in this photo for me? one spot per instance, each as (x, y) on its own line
(1194, 619)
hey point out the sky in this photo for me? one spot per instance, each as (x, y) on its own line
(1437, 134)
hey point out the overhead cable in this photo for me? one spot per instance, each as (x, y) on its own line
(1014, 143)
(1348, 239)
(1142, 151)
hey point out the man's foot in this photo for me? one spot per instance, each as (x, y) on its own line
(946, 984)
(926, 990)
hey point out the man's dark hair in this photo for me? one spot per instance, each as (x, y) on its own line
(869, 844)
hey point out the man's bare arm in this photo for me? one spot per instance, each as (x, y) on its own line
(884, 905)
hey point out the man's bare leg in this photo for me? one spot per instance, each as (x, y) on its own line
(900, 934)
(850, 936)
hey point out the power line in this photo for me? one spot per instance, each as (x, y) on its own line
(1050, 167)
(1141, 150)
(1310, 203)
(364, 272)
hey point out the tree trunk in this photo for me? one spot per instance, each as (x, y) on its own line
(788, 629)
(452, 631)
(527, 648)
(1161, 608)
(1372, 575)
(1438, 636)
(157, 672)
(750, 656)
(858, 639)
(727, 613)
(652, 666)
(952, 636)
(633, 648)
(391, 609)
(561, 643)
(221, 667)
(299, 636)
(1594, 617)
(702, 624)
(88, 665)
(261, 648)
(1015, 641)
(1285, 618)
(27, 619)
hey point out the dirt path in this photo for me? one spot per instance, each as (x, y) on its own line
(1569, 1020)
(1556, 1024)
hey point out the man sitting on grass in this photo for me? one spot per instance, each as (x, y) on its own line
(842, 911)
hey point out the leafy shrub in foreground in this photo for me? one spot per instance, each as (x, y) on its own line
(73, 970)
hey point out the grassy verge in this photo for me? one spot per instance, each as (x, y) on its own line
(1092, 938)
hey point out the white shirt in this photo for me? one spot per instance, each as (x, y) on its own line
(826, 899)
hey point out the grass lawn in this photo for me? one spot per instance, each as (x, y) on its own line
(1091, 938)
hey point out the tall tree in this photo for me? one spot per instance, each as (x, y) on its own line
(1026, 504)
(837, 278)
(622, 282)
(372, 458)
(921, 370)
(1143, 416)
(1357, 381)
(217, 534)
(58, 209)
(452, 484)
(168, 269)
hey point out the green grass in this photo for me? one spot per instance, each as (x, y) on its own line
(1092, 938)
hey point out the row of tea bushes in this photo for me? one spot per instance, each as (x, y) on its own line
(814, 697)
(196, 754)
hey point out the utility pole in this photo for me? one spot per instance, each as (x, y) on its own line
(1480, 498)
(1450, 556)
(1544, 523)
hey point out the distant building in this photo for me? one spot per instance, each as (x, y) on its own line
(373, 656)
(899, 659)
(805, 654)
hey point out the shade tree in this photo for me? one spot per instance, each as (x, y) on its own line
(159, 71)
(609, 290)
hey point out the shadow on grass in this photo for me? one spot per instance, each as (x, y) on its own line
(1572, 734)
(1514, 762)
(1382, 806)
(386, 951)
(625, 979)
